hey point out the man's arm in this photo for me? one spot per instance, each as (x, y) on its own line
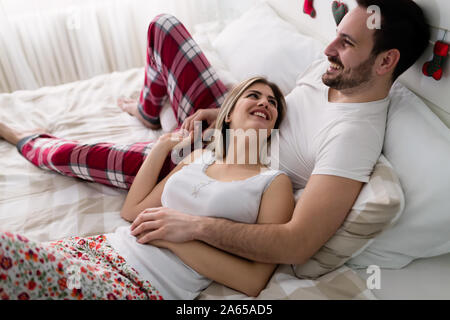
(318, 214)
(249, 277)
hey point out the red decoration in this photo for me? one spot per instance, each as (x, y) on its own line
(309, 9)
(433, 68)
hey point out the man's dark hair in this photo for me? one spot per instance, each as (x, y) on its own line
(403, 27)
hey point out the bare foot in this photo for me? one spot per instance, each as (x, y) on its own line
(13, 136)
(130, 106)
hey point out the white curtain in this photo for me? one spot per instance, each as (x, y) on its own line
(49, 42)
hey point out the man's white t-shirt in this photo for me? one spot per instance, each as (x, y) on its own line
(319, 137)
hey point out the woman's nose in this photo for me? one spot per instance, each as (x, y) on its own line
(263, 103)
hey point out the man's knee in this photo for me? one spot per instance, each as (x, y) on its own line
(165, 22)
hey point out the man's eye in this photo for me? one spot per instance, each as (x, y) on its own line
(348, 43)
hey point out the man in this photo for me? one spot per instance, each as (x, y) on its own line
(329, 142)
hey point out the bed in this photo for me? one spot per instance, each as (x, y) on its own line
(46, 206)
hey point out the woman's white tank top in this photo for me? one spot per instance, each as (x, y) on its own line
(191, 190)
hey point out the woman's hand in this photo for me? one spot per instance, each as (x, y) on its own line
(163, 224)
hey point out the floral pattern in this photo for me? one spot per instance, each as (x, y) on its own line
(73, 268)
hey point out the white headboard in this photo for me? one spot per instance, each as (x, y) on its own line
(323, 27)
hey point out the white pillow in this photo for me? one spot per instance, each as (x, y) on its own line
(260, 43)
(379, 204)
(417, 144)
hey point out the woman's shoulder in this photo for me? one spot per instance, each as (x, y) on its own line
(277, 179)
(265, 170)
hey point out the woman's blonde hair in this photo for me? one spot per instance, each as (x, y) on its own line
(228, 106)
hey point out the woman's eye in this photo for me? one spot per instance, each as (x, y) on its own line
(253, 95)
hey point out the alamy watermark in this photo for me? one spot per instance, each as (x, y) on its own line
(248, 146)
(74, 277)
(374, 21)
(374, 280)
(73, 21)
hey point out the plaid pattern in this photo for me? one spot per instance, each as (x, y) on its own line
(177, 69)
(105, 163)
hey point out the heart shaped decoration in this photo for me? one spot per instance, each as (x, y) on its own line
(339, 11)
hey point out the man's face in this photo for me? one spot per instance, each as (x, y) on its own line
(351, 62)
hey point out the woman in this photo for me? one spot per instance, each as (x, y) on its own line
(117, 265)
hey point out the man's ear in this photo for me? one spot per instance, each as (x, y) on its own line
(387, 61)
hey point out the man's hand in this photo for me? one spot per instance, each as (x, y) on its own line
(208, 115)
(177, 140)
(163, 224)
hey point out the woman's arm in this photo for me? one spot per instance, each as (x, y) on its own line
(277, 205)
(144, 192)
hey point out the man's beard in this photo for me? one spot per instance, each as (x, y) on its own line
(351, 78)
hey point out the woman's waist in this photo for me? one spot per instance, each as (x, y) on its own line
(159, 266)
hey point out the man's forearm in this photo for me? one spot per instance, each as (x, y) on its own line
(268, 243)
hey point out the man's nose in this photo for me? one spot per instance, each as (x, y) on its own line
(331, 49)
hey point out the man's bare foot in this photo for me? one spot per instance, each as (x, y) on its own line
(13, 136)
(130, 106)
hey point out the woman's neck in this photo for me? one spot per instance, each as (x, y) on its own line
(243, 150)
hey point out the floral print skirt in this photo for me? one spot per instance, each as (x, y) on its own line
(73, 268)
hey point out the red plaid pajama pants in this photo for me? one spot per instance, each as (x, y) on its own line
(176, 69)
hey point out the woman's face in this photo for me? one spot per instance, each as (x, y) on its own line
(255, 109)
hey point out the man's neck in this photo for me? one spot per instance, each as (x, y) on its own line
(365, 93)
